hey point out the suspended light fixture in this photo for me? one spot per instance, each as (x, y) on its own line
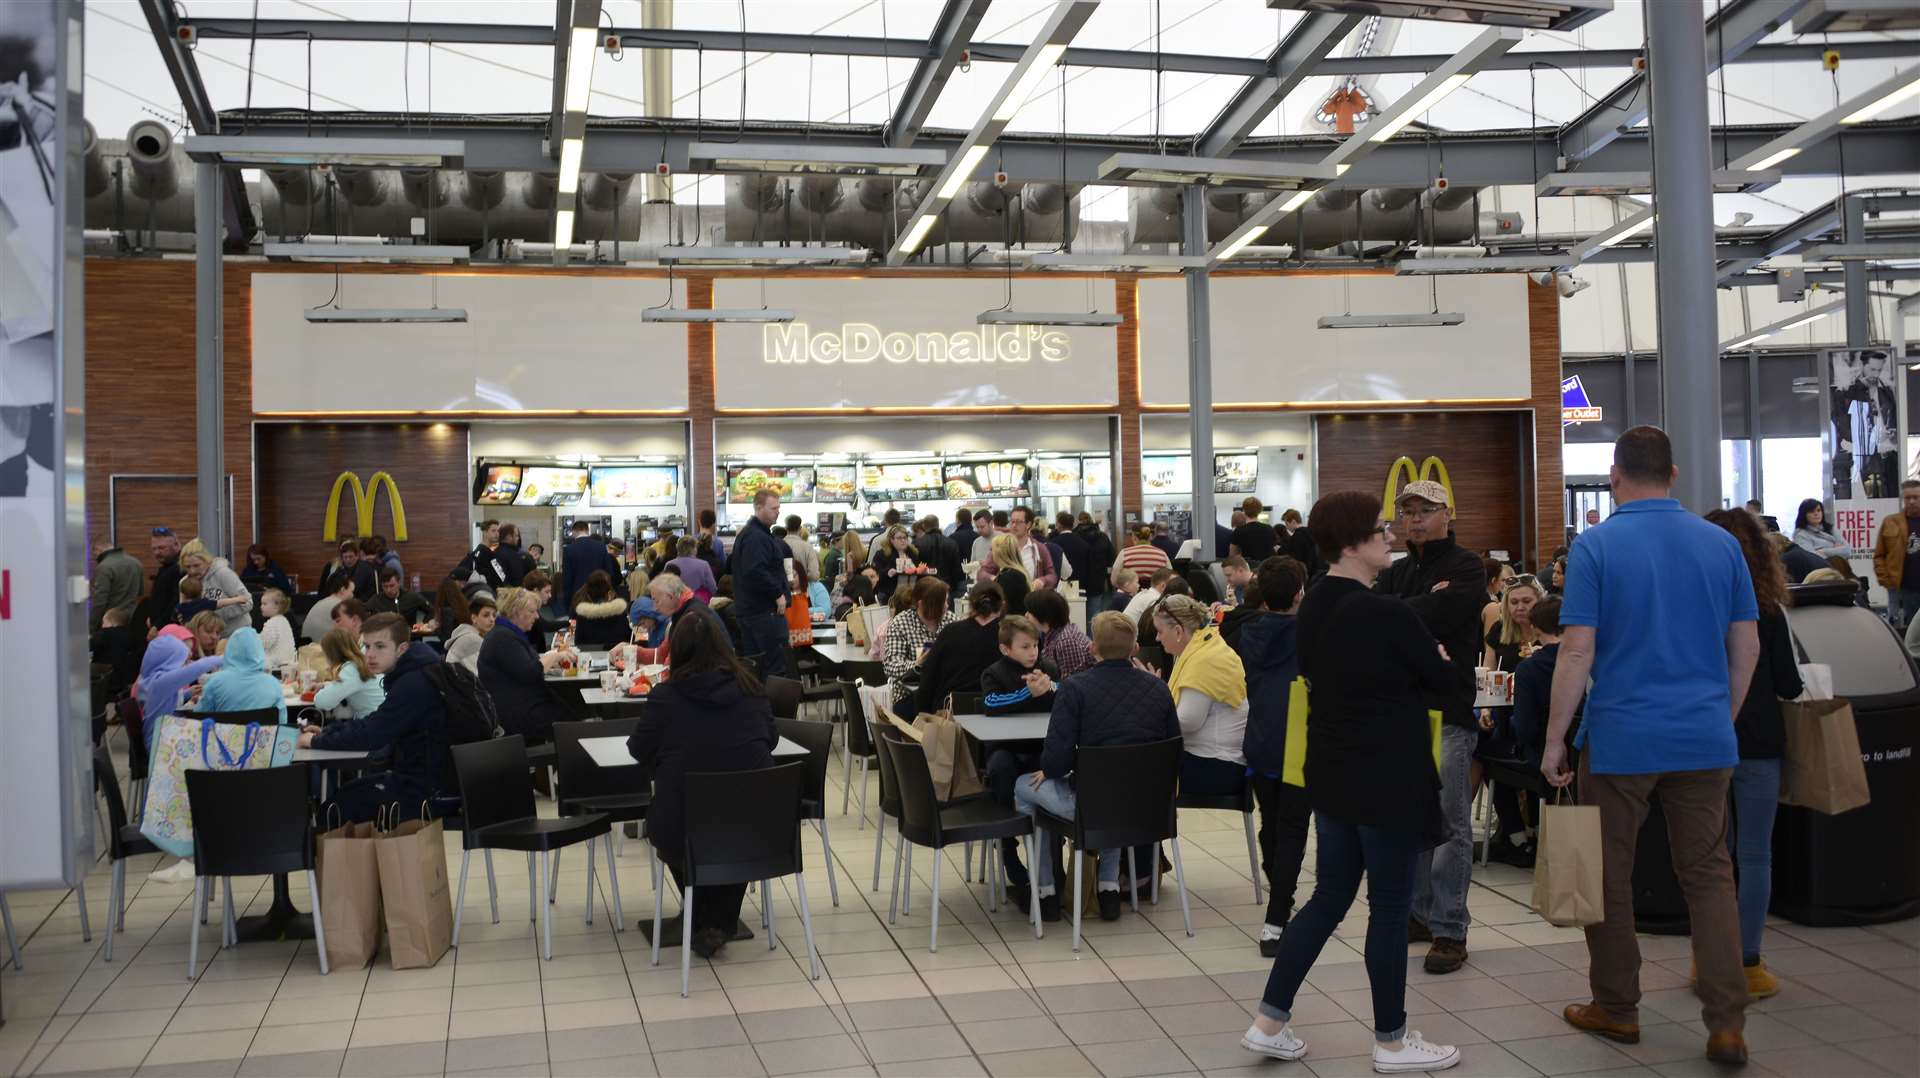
(1624, 229)
(707, 255)
(801, 158)
(716, 314)
(1785, 324)
(1046, 318)
(367, 252)
(1530, 14)
(1857, 109)
(264, 151)
(369, 315)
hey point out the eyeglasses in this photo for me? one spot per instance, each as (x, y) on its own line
(1423, 513)
(1384, 528)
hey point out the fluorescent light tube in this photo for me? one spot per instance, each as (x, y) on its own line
(804, 158)
(570, 151)
(264, 150)
(580, 68)
(917, 233)
(962, 172)
(1392, 127)
(1456, 264)
(1775, 158)
(1784, 325)
(716, 314)
(563, 229)
(1876, 107)
(368, 315)
(702, 255)
(1223, 171)
(1235, 247)
(1391, 321)
(367, 252)
(1046, 318)
(1629, 228)
(1029, 79)
(1295, 201)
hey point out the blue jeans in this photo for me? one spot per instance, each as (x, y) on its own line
(1444, 873)
(766, 637)
(1387, 859)
(1755, 792)
(1055, 796)
(1902, 604)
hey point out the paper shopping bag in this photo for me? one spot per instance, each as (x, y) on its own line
(856, 627)
(418, 908)
(185, 743)
(949, 756)
(349, 894)
(1823, 769)
(1566, 869)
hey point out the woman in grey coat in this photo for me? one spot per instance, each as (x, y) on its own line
(220, 584)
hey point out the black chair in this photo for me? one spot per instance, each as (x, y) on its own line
(817, 739)
(924, 821)
(1123, 797)
(1242, 803)
(858, 746)
(124, 840)
(784, 693)
(742, 827)
(265, 716)
(621, 794)
(499, 812)
(870, 673)
(967, 703)
(250, 823)
(1202, 582)
(889, 806)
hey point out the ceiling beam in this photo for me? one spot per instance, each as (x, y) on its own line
(200, 114)
(1784, 240)
(952, 35)
(1737, 28)
(1295, 58)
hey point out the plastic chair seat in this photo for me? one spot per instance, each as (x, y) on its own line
(617, 808)
(540, 755)
(536, 835)
(1520, 774)
(1241, 802)
(132, 843)
(980, 820)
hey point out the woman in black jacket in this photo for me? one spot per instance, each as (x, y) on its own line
(711, 715)
(601, 615)
(515, 675)
(262, 572)
(1369, 663)
(897, 564)
(1755, 788)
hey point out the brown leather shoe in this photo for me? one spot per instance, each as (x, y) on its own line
(1589, 1017)
(1446, 956)
(1727, 1047)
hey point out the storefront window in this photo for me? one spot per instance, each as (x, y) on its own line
(1736, 472)
(1792, 467)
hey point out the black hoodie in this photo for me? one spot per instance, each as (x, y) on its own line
(702, 722)
(1451, 614)
(1096, 577)
(1267, 651)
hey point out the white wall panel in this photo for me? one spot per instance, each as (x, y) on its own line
(533, 342)
(1268, 348)
(575, 438)
(871, 434)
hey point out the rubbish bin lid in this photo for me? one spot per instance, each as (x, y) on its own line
(1866, 657)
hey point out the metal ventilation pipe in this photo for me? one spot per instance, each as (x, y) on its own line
(156, 176)
(97, 179)
(362, 186)
(874, 193)
(539, 189)
(1335, 200)
(1328, 220)
(602, 191)
(482, 191)
(1391, 199)
(821, 194)
(1449, 196)
(772, 209)
(425, 188)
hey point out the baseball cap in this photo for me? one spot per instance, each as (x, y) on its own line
(1424, 488)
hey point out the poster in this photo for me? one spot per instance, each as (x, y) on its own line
(986, 479)
(551, 487)
(902, 482)
(791, 484)
(1166, 475)
(1097, 477)
(834, 483)
(1864, 424)
(1059, 477)
(635, 485)
(498, 484)
(1234, 473)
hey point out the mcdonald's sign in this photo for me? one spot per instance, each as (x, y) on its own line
(1431, 468)
(363, 499)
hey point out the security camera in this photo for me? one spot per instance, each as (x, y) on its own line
(1569, 284)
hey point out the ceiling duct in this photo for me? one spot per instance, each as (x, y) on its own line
(156, 174)
(782, 209)
(363, 185)
(97, 179)
(603, 191)
(482, 191)
(821, 194)
(425, 188)
(539, 189)
(875, 193)
(1405, 215)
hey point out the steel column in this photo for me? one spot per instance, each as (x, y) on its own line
(1193, 221)
(1683, 249)
(1853, 215)
(209, 399)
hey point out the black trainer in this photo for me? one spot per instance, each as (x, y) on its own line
(1018, 895)
(1109, 905)
(1050, 908)
(1270, 948)
(1505, 852)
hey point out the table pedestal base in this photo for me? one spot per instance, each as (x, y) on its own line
(670, 931)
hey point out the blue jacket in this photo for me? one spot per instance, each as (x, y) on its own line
(1267, 650)
(1108, 703)
(580, 559)
(411, 722)
(759, 569)
(165, 673)
(243, 684)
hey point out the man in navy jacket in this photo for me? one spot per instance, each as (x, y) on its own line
(411, 723)
(760, 585)
(583, 556)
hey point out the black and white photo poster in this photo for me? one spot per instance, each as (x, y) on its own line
(29, 243)
(1865, 431)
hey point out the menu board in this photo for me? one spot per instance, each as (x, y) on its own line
(615, 487)
(496, 484)
(902, 482)
(1058, 477)
(986, 479)
(1097, 477)
(792, 484)
(1166, 475)
(1233, 473)
(834, 483)
(551, 486)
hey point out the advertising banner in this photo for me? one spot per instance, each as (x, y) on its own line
(1235, 473)
(639, 485)
(1059, 477)
(1863, 417)
(986, 479)
(792, 484)
(902, 482)
(551, 487)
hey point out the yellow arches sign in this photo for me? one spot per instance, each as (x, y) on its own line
(363, 499)
(1431, 468)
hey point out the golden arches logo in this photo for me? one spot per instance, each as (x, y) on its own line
(1430, 468)
(363, 499)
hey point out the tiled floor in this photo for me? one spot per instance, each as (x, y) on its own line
(1141, 998)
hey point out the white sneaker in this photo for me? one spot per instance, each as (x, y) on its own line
(178, 872)
(1281, 1045)
(1415, 1054)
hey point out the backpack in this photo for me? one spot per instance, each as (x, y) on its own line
(470, 715)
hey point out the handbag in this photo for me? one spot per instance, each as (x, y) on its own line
(183, 744)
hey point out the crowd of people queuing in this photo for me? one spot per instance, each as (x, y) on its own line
(1385, 644)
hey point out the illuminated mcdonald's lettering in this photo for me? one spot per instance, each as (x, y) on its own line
(363, 501)
(1428, 469)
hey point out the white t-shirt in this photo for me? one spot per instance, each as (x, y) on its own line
(1142, 600)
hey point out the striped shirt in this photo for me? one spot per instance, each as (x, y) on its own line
(1143, 559)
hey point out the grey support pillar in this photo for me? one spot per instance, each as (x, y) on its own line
(1683, 249)
(1853, 218)
(1193, 221)
(209, 401)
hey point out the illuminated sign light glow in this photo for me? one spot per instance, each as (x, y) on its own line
(863, 342)
(1575, 407)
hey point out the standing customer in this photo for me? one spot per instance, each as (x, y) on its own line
(1143, 557)
(1010, 573)
(165, 596)
(1762, 735)
(1370, 664)
(1896, 556)
(1253, 540)
(1660, 611)
(712, 715)
(898, 563)
(1268, 653)
(760, 585)
(219, 583)
(1446, 586)
(117, 583)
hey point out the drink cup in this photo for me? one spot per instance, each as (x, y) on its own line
(608, 679)
(308, 679)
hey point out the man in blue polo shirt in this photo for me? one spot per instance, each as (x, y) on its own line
(1659, 609)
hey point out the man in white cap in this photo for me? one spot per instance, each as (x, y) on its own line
(1446, 585)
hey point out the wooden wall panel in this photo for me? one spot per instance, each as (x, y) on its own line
(700, 399)
(1126, 298)
(298, 463)
(1482, 452)
(1546, 460)
(140, 505)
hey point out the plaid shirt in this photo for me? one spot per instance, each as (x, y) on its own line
(1068, 649)
(906, 634)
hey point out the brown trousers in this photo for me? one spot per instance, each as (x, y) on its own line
(1695, 804)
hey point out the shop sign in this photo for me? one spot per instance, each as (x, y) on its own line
(1574, 405)
(864, 342)
(363, 503)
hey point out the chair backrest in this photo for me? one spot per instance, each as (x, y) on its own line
(968, 703)
(250, 823)
(817, 739)
(889, 786)
(744, 826)
(869, 673)
(108, 783)
(494, 786)
(919, 805)
(265, 716)
(1123, 794)
(579, 775)
(859, 738)
(783, 693)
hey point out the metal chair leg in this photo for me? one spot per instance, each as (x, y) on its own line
(116, 905)
(893, 900)
(1253, 860)
(553, 885)
(933, 930)
(1079, 895)
(1032, 843)
(879, 842)
(906, 875)
(863, 801)
(686, 940)
(613, 878)
(460, 904)
(493, 892)
(533, 893)
(546, 914)
(1180, 880)
(319, 932)
(826, 847)
(86, 926)
(659, 901)
(590, 880)
(846, 776)
(120, 909)
(228, 936)
(1133, 878)
(193, 929)
(806, 923)
(766, 911)
(13, 942)
(765, 907)
(966, 863)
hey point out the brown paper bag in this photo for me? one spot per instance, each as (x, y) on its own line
(413, 890)
(1566, 870)
(1823, 770)
(949, 756)
(349, 895)
(856, 628)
